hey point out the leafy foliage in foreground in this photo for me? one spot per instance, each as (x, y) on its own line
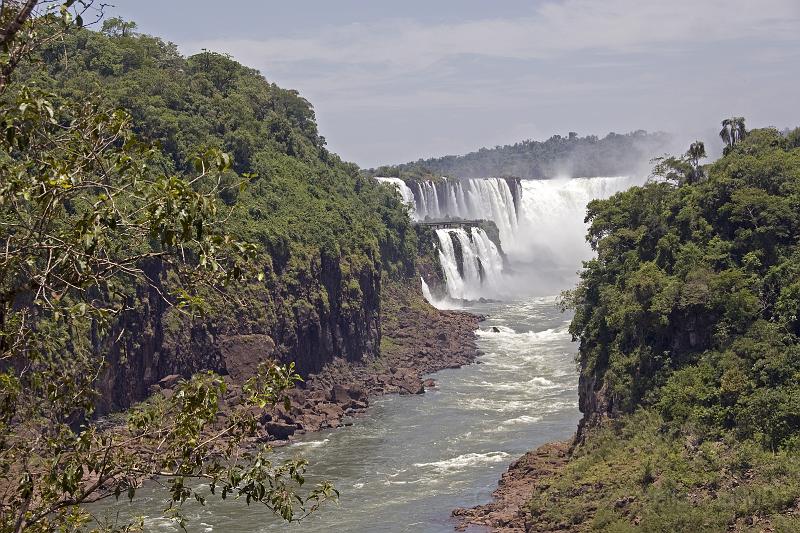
(83, 213)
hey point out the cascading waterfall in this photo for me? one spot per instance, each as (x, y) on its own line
(481, 266)
(449, 262)
(426, 291)
(540, 225)
(491, 260)
(468, 199)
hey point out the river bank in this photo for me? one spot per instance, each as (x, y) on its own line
(508, 512)
(417, 339)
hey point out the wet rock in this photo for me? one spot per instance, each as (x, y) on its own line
(279, 430)
(429, 383)
(170, 381)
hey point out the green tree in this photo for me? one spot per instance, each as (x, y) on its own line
(86, 212)
(117, 27)
(696, 152)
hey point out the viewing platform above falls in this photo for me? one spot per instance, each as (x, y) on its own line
(451, 224)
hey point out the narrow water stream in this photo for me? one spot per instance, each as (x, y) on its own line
(412, 459)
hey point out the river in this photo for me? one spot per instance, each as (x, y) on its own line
(410, 460)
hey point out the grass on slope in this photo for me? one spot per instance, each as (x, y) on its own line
(634, 475)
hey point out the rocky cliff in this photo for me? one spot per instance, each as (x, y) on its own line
(327, 316)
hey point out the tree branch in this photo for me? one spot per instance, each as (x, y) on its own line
(10, 31)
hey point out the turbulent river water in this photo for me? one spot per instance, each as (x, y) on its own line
(411, 459)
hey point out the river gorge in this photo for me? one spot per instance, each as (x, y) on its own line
(406, 462)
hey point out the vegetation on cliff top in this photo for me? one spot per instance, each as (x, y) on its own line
(688, 328)
(612, 155)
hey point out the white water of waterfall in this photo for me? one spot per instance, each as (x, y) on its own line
(469, 260)
(542, 233)
(481, 265)
(426, 291)
(468, 199)
(551, 226)
(491, 261)
(449, 262)
(544, 240)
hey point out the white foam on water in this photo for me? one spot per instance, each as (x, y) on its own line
(466, 460)
(521, 420)
(311, 443)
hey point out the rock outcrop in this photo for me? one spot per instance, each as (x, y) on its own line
(508, 511)
(325, 317)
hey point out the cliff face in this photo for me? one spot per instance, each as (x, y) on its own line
(326, 233)
(328, 316)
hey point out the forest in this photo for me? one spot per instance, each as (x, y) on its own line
(688, 328)
(570, 156)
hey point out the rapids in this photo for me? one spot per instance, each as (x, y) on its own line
(410, 460)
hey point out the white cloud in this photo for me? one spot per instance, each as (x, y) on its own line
(397, 89)
(612, 26)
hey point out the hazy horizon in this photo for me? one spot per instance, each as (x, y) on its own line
(397, 83)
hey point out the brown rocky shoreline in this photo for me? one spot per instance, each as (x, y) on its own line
(508, 513)
(417, 339)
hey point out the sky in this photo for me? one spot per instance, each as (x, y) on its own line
(397, 81)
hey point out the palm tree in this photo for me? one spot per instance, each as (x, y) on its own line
(733, 131)
(696, 152)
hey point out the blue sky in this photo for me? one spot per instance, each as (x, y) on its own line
(396, 81)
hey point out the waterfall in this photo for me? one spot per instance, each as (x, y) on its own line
(469, 199)
(551, 227)
(490, 258)
(449, 262)
(477, 273)
(541, 230)
(540, 225)
(426, 291)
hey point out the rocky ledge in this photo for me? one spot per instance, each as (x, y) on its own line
(508, 512)
(417, 339)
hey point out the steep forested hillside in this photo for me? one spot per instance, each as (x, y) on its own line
(326, 234)
(175, 231)
(613, 155)
(689, 353)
